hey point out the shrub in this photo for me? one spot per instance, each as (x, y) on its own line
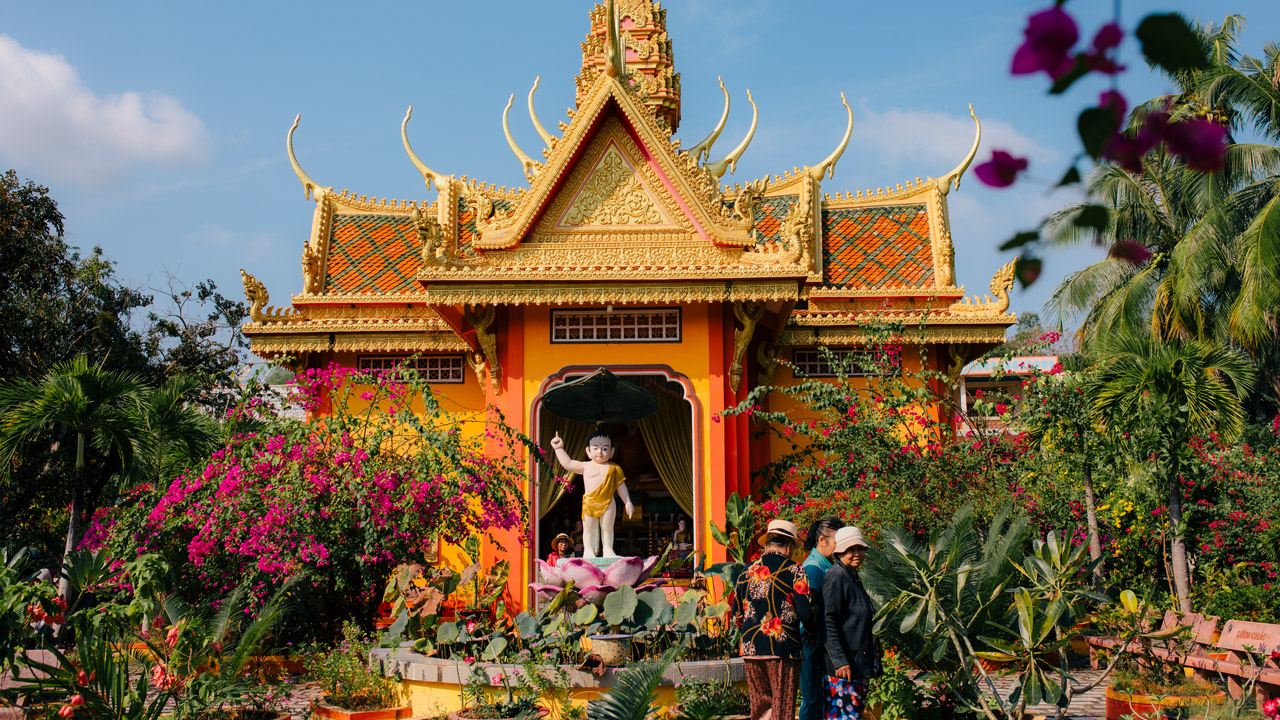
(346, 678)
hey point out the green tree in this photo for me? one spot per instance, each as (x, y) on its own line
(176, 433)
(98, 405)
(1181, 389)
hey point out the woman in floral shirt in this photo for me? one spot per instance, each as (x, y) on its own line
(770, 598)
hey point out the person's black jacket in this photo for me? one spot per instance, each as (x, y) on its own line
(847, 624)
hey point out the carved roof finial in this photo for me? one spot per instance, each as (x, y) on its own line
(703, 149)
(828, 167)
(952, 179)
(730, 161)
(309, 186)
(526, 162)
(533, 114)
(428, 175)
(616, 53)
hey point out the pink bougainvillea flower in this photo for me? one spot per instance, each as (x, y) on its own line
(1127, 150)
(1098, 59)
(1131, 252)
(1115, 102)
(1050, 35)
(1200, 142)
(1001, 170)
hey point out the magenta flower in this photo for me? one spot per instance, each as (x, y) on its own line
(592, 583)
(1001, 170)
(1131, 252)
(1099, 58)
(1200, 142)
(1050, 35)
(1115, 102)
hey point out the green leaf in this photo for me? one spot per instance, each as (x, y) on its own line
(687, 613)
(585, 615)
(910, 621)
(620, 605)
(526, 625)
(494, 649)
(447, 633)
(1169, 41)
(1094, 217)
(995, 656)
(1078, 70)
(1096, 126)
(1017, 241)
(1129, 599)
(1071, 178)
(1027, 270)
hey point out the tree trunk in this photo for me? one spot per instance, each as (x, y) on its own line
(73, 524)
(1177, 545)
(1091, 519)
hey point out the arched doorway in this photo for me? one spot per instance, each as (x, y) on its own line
(660, 455)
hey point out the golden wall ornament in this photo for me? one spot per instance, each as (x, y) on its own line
(259, 311)
(768, 354)
(748, 314)
(481, 318)
(613, 195)
(312, 269)
(1001, 286)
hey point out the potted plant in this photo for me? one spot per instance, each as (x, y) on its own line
(350, 688)
(703, 699)
(479, 702)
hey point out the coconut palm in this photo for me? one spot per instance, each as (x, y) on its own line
(99, 406)
(176, 434)
(1181, 389)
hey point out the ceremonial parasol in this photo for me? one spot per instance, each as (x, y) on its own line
(600, 398)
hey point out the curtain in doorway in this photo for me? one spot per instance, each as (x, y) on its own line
(668, 435)
(575, 436)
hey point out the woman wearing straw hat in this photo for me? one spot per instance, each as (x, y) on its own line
(765, 603)
(561, 548)
(852, 657)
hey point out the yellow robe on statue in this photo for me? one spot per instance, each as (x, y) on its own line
(596, 502)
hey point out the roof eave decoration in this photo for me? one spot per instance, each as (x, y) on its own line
(600, 293)
(698, 187)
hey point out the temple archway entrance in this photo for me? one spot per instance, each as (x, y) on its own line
(659, 454)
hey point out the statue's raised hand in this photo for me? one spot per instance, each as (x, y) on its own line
(557, 443)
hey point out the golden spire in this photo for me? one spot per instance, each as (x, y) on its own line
(533, 114)
(730, 161)
(616, 53)
(828, 166)
(308, 185)
(952, 179)
(526, 162)
(704, 148)
(428, 175)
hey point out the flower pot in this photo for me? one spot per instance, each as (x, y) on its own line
(248, 714)
(614, 650)
(321, 709)
(1145, 707)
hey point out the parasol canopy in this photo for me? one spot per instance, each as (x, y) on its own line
(600, 398)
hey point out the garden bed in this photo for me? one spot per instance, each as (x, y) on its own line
(434, 685)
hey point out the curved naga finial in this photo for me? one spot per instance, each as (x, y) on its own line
(526, 162)
(703, 149)
(730, 161)
(309, 186)
(542, 132)
(428, 175)
(828, 167)
(952, 179)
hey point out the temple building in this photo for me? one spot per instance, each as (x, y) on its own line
(627, 251)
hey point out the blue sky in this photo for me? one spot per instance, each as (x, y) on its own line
(160, 126)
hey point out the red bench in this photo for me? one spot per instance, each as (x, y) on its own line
(1208, 658)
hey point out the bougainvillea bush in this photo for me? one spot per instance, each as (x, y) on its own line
(371, 482)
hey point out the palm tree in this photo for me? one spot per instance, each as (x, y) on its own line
(1181, 389)
(175, 433)
(98, 405)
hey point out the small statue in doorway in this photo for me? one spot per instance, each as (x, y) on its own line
(601, 479)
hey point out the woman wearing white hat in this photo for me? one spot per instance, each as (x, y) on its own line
(765, 602)
(852, 657)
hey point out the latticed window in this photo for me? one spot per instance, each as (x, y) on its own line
(437, 369)
(615, 326)
(862, 363)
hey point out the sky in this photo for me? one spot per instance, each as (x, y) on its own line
(160, 127)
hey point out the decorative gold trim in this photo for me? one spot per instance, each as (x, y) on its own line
(309, 186)
(946, 182)
(256, 293)
(547, 138)
(702, 150)
(820, 293)
(748, 314)
(480, 317)
(428, 175)
(730, 161)
(586, 293)
(828, 167)
(267, 343)
(991, 334)
(528, 164)
(1001, 285)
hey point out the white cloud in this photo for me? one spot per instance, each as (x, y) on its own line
(941, 139)
(53, 126)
